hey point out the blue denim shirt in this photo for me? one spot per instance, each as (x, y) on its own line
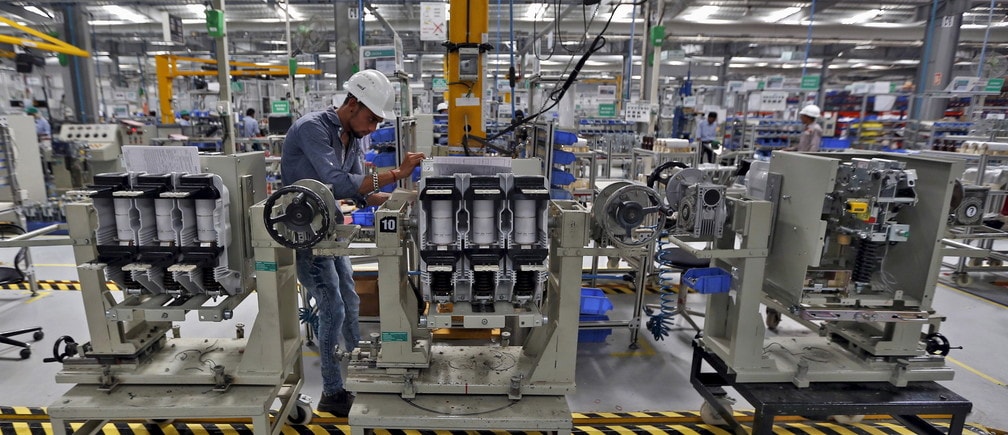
(312, 149)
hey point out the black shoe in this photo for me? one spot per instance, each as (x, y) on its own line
(337, 404)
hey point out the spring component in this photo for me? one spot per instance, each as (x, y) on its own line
(484, 284)
(525, 282)
(441, 283)
(169, 283)
(659, 324)
(867, 260)
(209, 283)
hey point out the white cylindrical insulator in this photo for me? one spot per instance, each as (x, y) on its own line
(124, 229)
(483, 223)
(165, 228)
(205, 230)
(442, 229)
(525, 222)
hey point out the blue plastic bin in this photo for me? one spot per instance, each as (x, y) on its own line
(561, 157)
(593, 335)
(707, 280)
(561, 137)
(834, 143)
(364, 217)
(562, 178)
(382, 135)
(594, 301)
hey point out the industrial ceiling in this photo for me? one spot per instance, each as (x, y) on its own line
(858, 39)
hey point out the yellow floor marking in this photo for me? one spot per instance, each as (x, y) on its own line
(717, 430)
(645, 349)
(983, 375)
(807, 429)
(981, 299)
(653, 430)
(621, 430)
(590, 430)
(899, 429)
(838, 428)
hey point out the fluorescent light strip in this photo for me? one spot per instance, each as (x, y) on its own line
(126, 14)
(703, 12)
(863, 16)
(38, 11)
(781, 14)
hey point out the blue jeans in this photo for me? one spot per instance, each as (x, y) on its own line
(329, 281)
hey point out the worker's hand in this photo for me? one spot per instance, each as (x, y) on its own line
(378, 198)
(411, 161)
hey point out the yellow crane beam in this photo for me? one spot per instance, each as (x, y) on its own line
(48, 42)
(168, 69)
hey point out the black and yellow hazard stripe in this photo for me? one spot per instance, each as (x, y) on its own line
(34, 421)
(53, 285)
(137, 428)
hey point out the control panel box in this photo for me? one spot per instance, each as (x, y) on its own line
(102, 140)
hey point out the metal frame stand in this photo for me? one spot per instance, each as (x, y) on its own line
(771, 399)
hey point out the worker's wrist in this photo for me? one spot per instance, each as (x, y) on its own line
(396, 174)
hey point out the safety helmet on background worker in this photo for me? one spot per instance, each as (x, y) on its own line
(374, 90)
(31, 110)
(442, 106)
(812, 111)
(184, 113)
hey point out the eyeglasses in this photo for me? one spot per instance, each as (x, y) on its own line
(372, 118)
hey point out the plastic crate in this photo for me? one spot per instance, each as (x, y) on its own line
(593, 335)
(364, 217)
(382, 135)
(834, 143)
(594, 301)
(707, 280)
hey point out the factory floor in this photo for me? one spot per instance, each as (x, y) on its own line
(611, 377)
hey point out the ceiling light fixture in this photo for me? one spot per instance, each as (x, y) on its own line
(702, 13)
(38, 11)
(863, 16)
(535, 11)
(199, 10)
(781, 14)
(126, 14)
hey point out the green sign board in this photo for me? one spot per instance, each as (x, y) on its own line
(994, 85)
(266, 266)
(393, 336)
(379, 52)
(439, 84)
(810, 82)
(657, 35)
(607, 110)
(280, 107)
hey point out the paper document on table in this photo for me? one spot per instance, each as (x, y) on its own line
(446, 166)
(161, 160)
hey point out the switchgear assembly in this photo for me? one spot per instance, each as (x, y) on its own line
(489, 250)
(846, 245)
(177, 243)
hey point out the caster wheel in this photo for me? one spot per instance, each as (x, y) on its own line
(25, 353)
(160, 421)
(995, 263)
(710, 416)
(848, 419)
(38, 335)
(962, 279)
(301, 414)
(975, 262)
(773, 318)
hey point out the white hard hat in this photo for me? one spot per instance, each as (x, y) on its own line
(372, 88)
(811, 111)
(442, 106)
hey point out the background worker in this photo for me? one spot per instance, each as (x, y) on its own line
(184, 118)
(812, 132)
(42, 128)
(707, 135)
(327, 146)
(249, 125)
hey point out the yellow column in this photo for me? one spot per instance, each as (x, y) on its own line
(164, 65)
(466, 26)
